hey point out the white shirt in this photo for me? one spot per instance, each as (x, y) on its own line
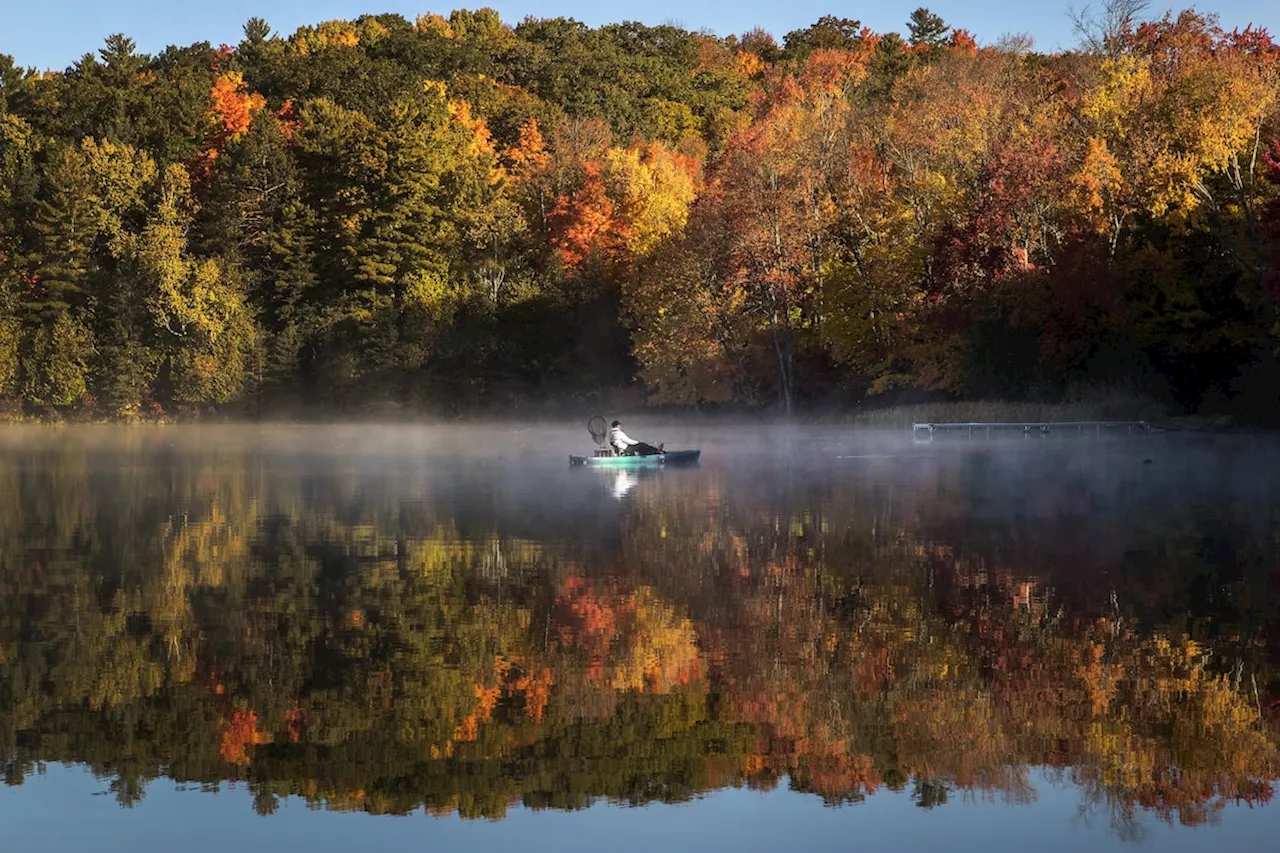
(620, 440)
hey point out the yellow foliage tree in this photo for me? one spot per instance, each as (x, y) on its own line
(654, 187)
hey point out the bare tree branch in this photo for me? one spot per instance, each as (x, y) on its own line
(1102, 33)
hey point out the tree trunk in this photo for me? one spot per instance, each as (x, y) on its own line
(782, 346)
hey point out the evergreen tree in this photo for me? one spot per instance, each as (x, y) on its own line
(66, 226)
(926, 29)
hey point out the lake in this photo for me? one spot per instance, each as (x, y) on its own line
(446, 638)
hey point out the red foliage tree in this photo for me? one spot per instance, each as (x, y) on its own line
(584, 225)
(1271, 219)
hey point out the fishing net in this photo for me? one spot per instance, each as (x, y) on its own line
(599, 430)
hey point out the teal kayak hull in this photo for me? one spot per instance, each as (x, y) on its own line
(671, 457)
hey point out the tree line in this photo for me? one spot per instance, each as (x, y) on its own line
(454, 212)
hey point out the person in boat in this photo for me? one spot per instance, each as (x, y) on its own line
(624, 445)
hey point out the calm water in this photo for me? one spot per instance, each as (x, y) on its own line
(448, 639)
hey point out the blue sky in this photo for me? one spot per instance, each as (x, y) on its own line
(54, 33)
(34, 819)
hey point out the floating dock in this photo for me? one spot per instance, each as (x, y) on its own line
(1028, 429)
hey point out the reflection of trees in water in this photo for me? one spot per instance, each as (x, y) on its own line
(383, 649)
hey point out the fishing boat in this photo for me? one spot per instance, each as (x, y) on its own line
(668, 458)
(605, 457)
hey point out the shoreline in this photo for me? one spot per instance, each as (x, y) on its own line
(887, 418)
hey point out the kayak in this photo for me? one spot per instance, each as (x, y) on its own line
(671, 457)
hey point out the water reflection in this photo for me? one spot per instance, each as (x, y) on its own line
(400, 631)
(623, 483)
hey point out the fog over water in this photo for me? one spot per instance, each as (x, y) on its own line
(813, 633)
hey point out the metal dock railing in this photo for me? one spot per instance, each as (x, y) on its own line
(1029, 429)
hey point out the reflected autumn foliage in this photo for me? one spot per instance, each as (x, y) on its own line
(632, 641)
(371, 643)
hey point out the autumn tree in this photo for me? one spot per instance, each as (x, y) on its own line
(197, 305)
(1182, 105)
(403, 207)
(692, 333)
(827, 33)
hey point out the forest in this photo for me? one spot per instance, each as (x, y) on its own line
(458, 214)
(416, 645)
